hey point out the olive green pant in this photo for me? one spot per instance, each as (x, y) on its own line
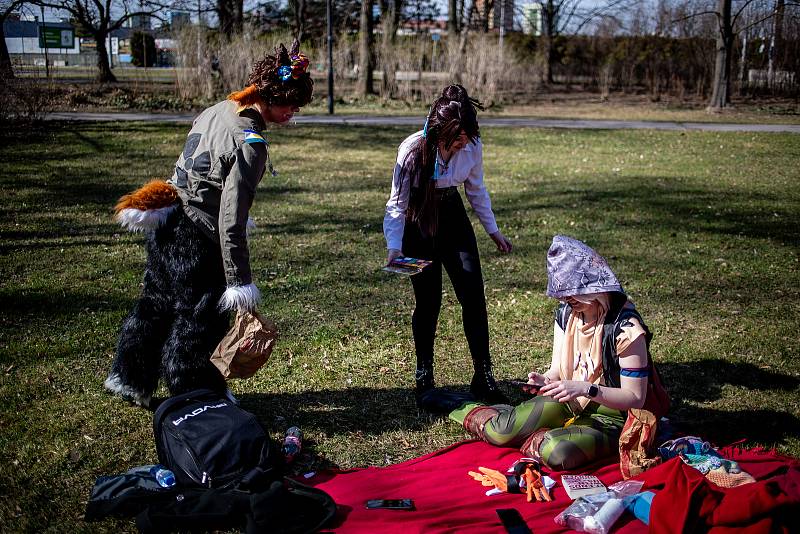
(593, 435)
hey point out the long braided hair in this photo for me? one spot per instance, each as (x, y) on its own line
(452, 113)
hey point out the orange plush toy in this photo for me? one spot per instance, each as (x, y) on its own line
(533, 483)
(529, 472)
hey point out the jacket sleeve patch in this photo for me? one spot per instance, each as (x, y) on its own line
(191, 145)
(202, 164)
(252, 136)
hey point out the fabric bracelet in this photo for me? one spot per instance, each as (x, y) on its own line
(642, 372)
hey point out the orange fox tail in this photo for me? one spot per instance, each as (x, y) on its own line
(146, 208)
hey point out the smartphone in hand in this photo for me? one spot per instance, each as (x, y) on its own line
(524, 384)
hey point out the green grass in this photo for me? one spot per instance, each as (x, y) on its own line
(700, 227)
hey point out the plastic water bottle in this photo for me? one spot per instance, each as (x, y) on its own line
(164, 477)
(292, 443)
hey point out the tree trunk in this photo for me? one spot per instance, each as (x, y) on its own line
(546, 59)
(229, 13)
(6, 70)
(365, 50)
(776, 42)
(390, 21)
(721, 95)
(104, 74)
(452, 17)
(299, 10)
(457, 54)
(486, 14)
(544, 45)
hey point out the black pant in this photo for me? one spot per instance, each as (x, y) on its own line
(175, 325)
(455, 248)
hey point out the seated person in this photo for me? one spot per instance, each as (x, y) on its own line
(599, 369)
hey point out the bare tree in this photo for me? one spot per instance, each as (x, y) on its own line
(721, 94)
(390, 11)
(452, 17)
(729, 24)
(459, 47)
(299, 10)
(99, 18)
(6, 8)
(559, 16)
(365, 52)
(230, 14)
(776, 43)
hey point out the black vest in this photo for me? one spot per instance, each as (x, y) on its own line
(616, 317)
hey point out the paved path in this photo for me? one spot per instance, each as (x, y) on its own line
(585, 124)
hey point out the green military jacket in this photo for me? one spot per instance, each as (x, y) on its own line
(216, 175)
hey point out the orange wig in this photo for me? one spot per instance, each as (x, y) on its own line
(246, 97)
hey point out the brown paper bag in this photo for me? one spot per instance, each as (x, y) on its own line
(246, 347)
(636, 453)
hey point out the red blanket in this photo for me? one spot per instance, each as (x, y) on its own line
(448, 500)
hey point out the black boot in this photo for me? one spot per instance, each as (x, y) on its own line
(485, 388)
(423, 378)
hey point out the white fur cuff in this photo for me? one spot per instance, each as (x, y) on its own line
(114, 384)
(244, 298)
(142, 220)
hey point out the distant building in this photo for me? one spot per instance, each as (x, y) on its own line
(495, 10)
(140, 22)
(532, 18)
(178, 19)
(502, 9)
(26, 41)
(412, 26)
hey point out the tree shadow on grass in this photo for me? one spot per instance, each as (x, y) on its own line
(364, 410)
(672, 206)
(703, 381)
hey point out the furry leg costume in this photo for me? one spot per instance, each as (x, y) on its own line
(176, 323)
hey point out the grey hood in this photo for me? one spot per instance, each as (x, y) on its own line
(574, 268)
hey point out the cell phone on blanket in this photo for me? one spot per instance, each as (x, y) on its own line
(390, 504)
(512, 521)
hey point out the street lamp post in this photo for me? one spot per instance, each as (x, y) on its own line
(330, 57)
(44, 44)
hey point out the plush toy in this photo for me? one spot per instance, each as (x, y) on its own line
(527, 476)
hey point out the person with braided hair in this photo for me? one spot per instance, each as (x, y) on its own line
(195, 225)
(425, 218)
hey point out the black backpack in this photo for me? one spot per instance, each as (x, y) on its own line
(208, 441)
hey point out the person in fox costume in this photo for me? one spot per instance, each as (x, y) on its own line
(195, 226)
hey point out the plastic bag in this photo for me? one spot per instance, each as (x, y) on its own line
(598, 513)
(246, 347)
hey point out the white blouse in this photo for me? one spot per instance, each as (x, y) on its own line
(465, 167)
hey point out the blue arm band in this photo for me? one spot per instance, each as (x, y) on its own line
(635, 373)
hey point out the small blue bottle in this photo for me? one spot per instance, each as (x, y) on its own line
(164, 477)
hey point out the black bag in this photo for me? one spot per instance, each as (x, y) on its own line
(208, 441)
(281, 507)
